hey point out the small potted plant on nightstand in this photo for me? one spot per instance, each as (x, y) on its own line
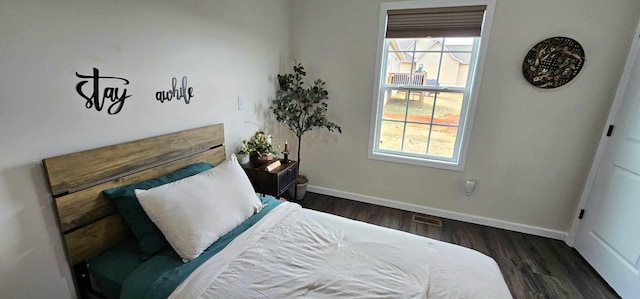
(301, 109)
(259, 148)
(243, 154)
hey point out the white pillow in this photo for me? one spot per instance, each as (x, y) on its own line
(194, 212)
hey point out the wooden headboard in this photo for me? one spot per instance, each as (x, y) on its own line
(88, 222)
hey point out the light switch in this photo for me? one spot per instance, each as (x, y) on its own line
(240, 103)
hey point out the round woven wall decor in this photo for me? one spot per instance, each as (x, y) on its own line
(553, 62)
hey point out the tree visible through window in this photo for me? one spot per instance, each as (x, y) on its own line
(426, 77)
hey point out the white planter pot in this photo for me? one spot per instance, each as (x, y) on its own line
(302, 189)
(243, 159)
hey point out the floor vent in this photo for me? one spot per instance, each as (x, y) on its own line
(428, 220)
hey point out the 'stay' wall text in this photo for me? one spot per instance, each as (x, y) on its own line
(96, 97)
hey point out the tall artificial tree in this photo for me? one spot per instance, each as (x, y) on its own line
(301, 109)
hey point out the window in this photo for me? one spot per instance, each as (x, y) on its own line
(429, 65)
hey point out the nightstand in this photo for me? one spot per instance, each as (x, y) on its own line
(275, 182)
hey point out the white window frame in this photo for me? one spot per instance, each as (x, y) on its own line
(469, 102)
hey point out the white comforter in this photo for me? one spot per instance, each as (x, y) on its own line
(294, 252)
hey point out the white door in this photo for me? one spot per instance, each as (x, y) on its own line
(608, 236)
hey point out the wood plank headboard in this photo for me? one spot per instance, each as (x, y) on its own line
(88, 222)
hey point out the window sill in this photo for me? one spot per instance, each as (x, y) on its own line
(387, 157)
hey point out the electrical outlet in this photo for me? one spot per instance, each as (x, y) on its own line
(240, 103)
(469, 186)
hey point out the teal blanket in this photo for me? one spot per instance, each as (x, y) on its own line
(161, 274)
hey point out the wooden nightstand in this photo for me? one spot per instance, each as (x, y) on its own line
(275, 182)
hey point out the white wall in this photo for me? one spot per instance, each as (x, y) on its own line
(530, 148)
(226, 48)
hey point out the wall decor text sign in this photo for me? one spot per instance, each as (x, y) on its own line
(96, 97)
(184, 92)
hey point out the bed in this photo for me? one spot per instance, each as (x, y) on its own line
(272, 249)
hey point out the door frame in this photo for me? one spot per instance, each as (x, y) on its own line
(617, 100)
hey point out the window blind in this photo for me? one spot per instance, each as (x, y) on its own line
(464, 21)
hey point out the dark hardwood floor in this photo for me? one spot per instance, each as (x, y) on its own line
(534, 267)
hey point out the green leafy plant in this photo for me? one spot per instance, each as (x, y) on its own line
(301, 109)
(259, 143)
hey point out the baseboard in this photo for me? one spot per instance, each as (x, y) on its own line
(512, 226)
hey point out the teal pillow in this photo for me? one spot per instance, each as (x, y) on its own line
(150, 239)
